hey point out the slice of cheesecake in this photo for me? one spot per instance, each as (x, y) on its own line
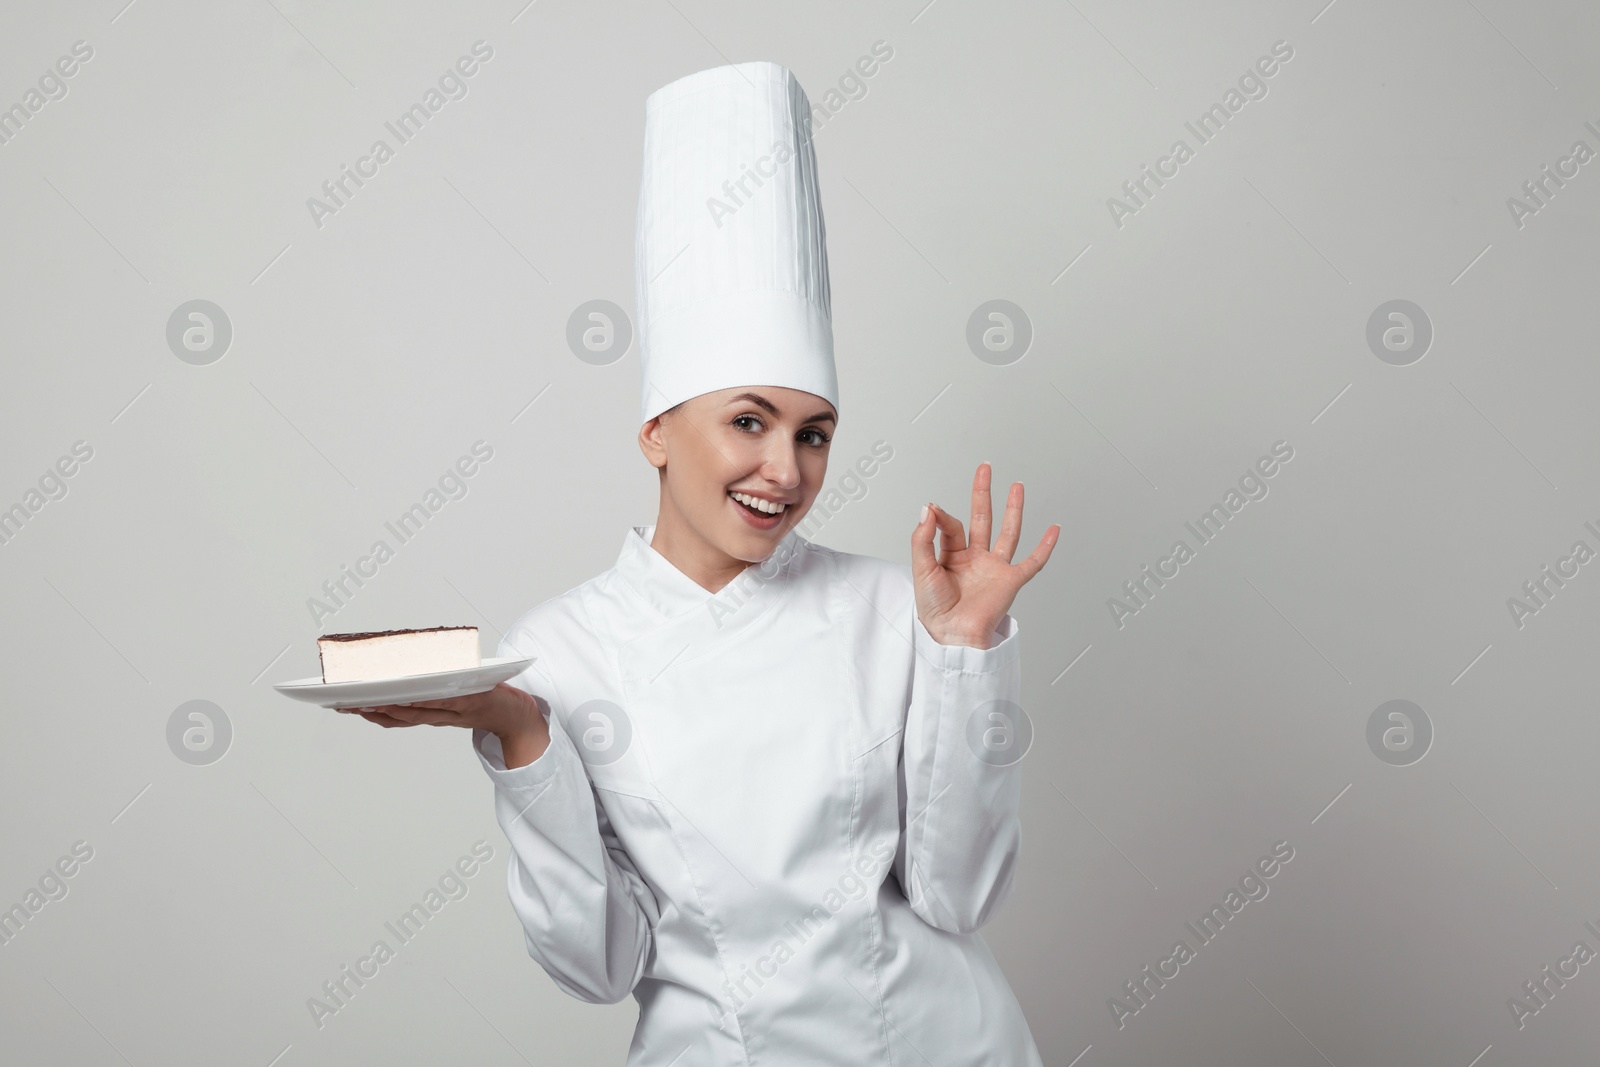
(362, 657)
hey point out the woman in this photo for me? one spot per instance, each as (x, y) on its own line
(749, 779)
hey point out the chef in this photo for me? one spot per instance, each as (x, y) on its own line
(768, 788)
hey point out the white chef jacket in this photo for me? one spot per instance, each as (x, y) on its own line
(740, 793)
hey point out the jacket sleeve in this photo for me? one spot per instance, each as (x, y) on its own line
(587, 916)
(961, 773)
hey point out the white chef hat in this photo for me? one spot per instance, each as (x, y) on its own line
(730, 254)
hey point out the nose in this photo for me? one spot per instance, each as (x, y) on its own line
(780, 464)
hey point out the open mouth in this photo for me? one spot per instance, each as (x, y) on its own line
(759, 513)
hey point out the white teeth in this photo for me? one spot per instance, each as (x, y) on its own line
(758, 503)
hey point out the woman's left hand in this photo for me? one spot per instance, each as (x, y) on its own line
(964, 592)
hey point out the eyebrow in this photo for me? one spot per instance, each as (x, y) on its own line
(762, 402)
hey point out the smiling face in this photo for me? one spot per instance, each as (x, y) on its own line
(739, 469)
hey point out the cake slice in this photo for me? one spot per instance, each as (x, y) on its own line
(363, 657)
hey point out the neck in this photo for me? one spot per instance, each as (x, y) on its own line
(709, 566)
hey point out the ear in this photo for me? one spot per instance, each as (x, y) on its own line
(652, 442)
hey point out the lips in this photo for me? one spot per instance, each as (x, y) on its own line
(758, 504)
(761, 520)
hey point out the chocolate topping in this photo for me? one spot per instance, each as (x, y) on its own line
(388, 633)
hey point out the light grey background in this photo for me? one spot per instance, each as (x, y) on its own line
(1229, 313)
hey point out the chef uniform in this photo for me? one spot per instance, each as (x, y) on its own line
(772, 813)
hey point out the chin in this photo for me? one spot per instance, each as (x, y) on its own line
(754, 546)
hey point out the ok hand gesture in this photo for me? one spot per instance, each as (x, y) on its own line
(964, 592)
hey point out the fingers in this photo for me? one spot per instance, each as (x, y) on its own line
(409, 715)
(982, 514)
(466, 703)
(1035, 561)
(416, 715)
(377, 717)
(952, 539)
(922, 558)
(1011, 524)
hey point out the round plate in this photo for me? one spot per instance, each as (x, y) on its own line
(408, 689)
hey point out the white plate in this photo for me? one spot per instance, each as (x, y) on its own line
(408, 689)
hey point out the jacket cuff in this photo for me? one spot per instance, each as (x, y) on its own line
(530, 776)
(966, 658)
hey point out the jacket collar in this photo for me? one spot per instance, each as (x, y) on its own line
(672, 593)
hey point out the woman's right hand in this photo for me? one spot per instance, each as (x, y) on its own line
(505, 711)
